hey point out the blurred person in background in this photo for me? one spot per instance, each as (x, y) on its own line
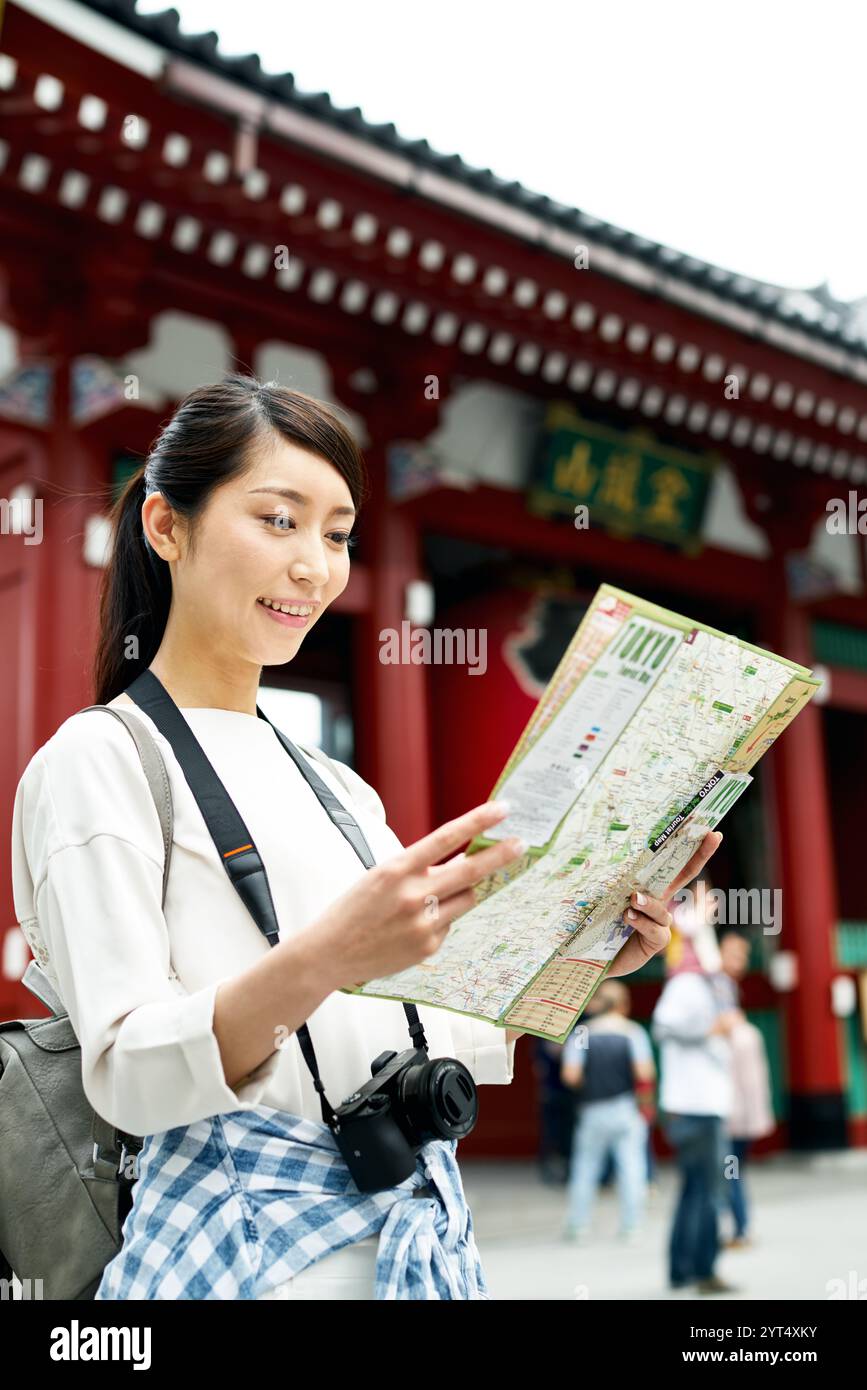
(692, 1023)
(610, 1063)
(556, 1112)
(752, 1115)
(558, 1107)
(646, 1093)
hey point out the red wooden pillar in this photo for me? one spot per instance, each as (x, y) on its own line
(49, 612)
(69, 630)
(787, 509)
(392, 709)
(806, 873)
(22, 460)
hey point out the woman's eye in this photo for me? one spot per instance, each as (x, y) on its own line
(282, 522)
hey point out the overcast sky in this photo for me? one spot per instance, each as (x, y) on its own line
(734, 132)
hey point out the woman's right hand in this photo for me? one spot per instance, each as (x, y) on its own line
(400, 911)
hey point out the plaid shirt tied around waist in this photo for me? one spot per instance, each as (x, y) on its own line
(234, 1205)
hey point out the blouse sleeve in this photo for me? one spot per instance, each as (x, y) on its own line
(481, 1046)
(88, 865)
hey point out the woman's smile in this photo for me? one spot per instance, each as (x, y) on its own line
(300, 618)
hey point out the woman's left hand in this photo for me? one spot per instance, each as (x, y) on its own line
(650, 917)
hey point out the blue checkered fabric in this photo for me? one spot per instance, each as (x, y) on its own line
(234, 1205)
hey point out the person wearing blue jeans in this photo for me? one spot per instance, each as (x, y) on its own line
(692, 1023)
(694, 1243)
(604, 1061)
(615, 1127)
(736, 1187)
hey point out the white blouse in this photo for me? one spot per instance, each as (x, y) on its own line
(139, 981)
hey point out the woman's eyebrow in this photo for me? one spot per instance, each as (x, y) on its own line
(301, 500)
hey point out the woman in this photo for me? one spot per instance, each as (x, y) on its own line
(752, 1113)
(186, 1016)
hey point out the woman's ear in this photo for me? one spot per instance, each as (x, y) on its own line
(164, 528)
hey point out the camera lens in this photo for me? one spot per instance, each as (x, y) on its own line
(440, 1098)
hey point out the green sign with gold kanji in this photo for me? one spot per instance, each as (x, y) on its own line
(627, 481)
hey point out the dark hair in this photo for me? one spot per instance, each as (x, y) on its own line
(733, 931)
(208, 441)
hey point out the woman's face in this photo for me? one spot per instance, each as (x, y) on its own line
(253, 543)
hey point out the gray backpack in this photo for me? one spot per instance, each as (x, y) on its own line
(66, 1175)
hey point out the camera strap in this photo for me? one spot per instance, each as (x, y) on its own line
(235, 845)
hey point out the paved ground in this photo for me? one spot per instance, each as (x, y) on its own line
(809, 1228)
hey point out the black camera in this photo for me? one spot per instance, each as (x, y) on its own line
(411, 1099)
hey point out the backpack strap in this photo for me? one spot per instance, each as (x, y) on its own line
(112, 1146)
(34, 977)
(157, 776)
(36, 980)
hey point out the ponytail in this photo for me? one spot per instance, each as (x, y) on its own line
(135, 598)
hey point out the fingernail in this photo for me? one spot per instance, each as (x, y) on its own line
(503, 806)
(519, 846)
(640, 899)
(630, 913)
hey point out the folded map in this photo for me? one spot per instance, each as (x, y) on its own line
(643, 739)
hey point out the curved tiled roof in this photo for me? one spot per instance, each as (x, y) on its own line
(812, 311)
